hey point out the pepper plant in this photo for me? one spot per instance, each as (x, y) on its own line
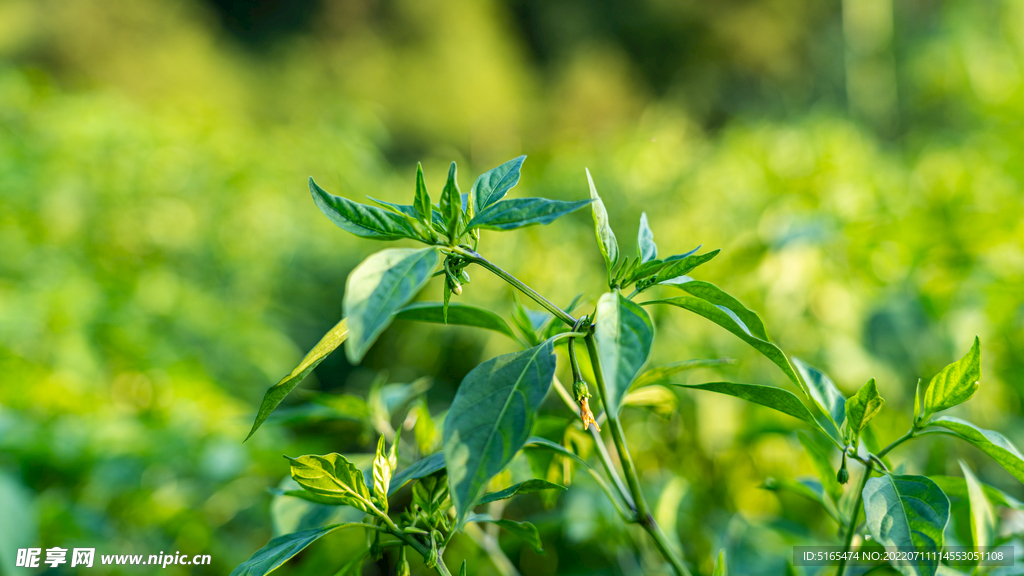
(492, 416)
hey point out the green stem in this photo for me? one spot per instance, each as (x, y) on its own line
(410, 540)
(910, 434)
(515, 282)
(853, 518)
(643, 512)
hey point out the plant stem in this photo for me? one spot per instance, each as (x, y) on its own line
(515, 282)
(410, 540)
(643, 512)
(910, 434)
(853, 517)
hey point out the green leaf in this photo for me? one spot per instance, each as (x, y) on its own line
(720, 566)
(956, 487)
(459, 314)
(492, 185)
(860, 409)
(715, 295)
(527, 487)
(646, 249)
(419, 469)
(983, 518)
(730, 321)
(907, 511)
(659, 399)
(954, 384)
(491, 417)
(663, 374)
(276, 393)
(544, 443)
(521, 212)
(462, 571)
(822, 465)
(451, 205)
(810, 489)
(624, 337)
(334, 477)
(523, 530)
(675, 269)
(770, 396)
(603, 229)
(824, 392)
(424, 209)
(990, 442)
(381, 475)
(281, 549)
(360, 219)
(378, 288)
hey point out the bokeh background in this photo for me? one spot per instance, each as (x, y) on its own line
(162, 264)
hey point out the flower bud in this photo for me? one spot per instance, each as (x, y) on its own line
(582, 393)
(843, 476)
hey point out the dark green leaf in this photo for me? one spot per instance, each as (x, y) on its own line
(954, 384)
(770, 396)
(674, 269)
(281, 549)
(378, 288)
(360, 219)
(624, 336)
(646, 249)
(908, 511)
(334, 477)
(404, 209)
(603, 229)
(956, 487)
(424, 209)
(491, 417)
(459, 314)
(665, 373)
(520, 212)
(983, 517)
(860, 409)
(451, 204)
(462, 571)
(276, 393)
(523, 530)
(824, 392)
(417, 470)
(527, 487)
(730, 321)
(492, 185)
(990, 442)
(715, 295)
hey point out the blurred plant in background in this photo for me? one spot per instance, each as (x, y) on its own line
(161, 264)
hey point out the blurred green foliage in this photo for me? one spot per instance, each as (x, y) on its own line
(161, 263)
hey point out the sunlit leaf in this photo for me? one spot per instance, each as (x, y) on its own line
(721, 569)
(451, 203)
(954, 384)
(624, 337)
(907, 511)
(491, 417)
(526, 487)
(715, 295)
(334, 477)
(380, 286)
(603, 229)
(860, 409)
(491, 186)
(646, 249)
(276, 393)
(675, 269)
(382, 472)
(824, 392)
(360, 219)
(520, 212)
(983, 518)
(990, 442)
(424, 209)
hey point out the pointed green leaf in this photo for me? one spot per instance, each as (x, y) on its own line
(381, 476)
(491, 417)
(729, 320)
(954, 384)
(645, 246)
(715, 295)
(451, 204)
(424, 209)
(956, 487)
(662, 374)
(983, 518)
(824, 392)
(860, 409)
(527, 487)
(909, 511)
(674, 270)
(419, 469)
(462, 571)
(770, 396)
(334, 477)
(521, 212)
(378, 288)
(276, 393)
(492, 185)
(658, 399)
(720, 566)
(822, 465)
(281, 549)
(459, 314)
(603, 229)
(624, 337)
(989, 441)
(523, 530)
(360, 219)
